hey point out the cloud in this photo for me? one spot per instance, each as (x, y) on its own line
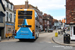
(44, 5)
(59, 17)
(48, 4)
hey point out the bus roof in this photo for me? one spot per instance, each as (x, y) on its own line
(25, 9)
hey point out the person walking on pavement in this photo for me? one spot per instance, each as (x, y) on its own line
(64, 29)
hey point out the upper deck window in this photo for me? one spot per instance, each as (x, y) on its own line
(24, 12)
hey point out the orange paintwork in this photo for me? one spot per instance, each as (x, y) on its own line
(63, 21)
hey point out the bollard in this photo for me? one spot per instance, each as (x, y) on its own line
(56, 34)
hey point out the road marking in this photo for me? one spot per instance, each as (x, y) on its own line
(51, 39)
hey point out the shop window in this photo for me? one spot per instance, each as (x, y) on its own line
(10, 17)
(9, 29)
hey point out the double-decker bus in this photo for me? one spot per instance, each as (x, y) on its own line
(26, 24)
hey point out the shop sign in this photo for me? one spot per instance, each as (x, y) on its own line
(9, 24)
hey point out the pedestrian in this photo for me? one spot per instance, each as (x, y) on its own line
(64, 30)
(45, 29)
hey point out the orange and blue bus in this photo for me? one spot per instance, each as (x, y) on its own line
(26, 24)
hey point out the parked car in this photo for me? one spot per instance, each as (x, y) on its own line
(59, 27)
(45, 29)
(50, 30)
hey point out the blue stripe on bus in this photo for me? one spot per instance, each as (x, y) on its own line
(24, 33)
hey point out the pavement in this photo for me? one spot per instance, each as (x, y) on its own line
(59, 40)
(9, 40)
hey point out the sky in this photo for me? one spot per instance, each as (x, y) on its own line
(55, 8)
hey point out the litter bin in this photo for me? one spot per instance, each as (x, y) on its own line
(67, 38)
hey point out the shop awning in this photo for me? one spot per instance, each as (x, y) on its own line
(2, 14)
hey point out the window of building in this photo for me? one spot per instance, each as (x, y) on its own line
(45, 21)
(7, 16)
(7, 5)
(11, 6)
(10, 17)
(40, 20)
(1, 19)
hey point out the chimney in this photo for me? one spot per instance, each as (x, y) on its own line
(26, 4)
(45, 14)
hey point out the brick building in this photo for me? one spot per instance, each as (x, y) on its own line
(29, 6)
(47, 21)
(70, 11)
(70, 17)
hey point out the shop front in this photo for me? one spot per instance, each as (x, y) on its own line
(9, 30)
(72, 32)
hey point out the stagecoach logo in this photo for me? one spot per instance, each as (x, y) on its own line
(24, 31)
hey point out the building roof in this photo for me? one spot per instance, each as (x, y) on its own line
(19, 7)
(23, 7)
(9, 2)
(2, 5)
(55, 20)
